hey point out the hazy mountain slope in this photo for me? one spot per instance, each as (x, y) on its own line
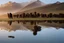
(15, 7)
(10, 7)
(24, 4)
(54, 8)
(33, 5)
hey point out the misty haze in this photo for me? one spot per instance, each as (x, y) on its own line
(31, 21)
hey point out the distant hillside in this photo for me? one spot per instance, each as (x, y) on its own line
(32, 5)
(51, 8)
(15, 7)
(10, 7)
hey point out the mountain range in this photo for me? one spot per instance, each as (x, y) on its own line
(15, 7)
(57, 7)
(10, 7)
(34, 6)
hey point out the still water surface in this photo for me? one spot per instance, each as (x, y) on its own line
(24, 33)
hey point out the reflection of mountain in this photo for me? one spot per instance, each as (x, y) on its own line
(59, 25)
(27, 26)
(13, 27)
(16, 26)
(53, 8)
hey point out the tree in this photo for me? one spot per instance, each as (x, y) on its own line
(56, 15)
(10, 15)
(35, 13)
(17, 15)
(43, 15)
(27, 15)
(31, 15)
(20, 15)
(61, 15)
(38, 14)
(50, 15)
(24, 15)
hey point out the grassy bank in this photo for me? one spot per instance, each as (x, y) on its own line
(31, 19)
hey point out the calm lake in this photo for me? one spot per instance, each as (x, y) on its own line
(26, 33)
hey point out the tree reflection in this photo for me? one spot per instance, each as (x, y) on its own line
(36, 29)
(9, 22)
(32, 22)
(32, 25)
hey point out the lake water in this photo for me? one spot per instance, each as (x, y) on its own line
(24, 33)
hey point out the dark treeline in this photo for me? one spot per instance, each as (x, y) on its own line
(36, 15)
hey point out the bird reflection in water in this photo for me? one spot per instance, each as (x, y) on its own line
(11, 37)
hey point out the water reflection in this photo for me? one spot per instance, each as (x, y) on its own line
(9, 22)
(57, 23)
(29, 25)
(36, 29)
(32, 26)
(35, 32)
(11, 37)
(21, 26)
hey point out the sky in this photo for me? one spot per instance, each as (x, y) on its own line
(19, 1)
